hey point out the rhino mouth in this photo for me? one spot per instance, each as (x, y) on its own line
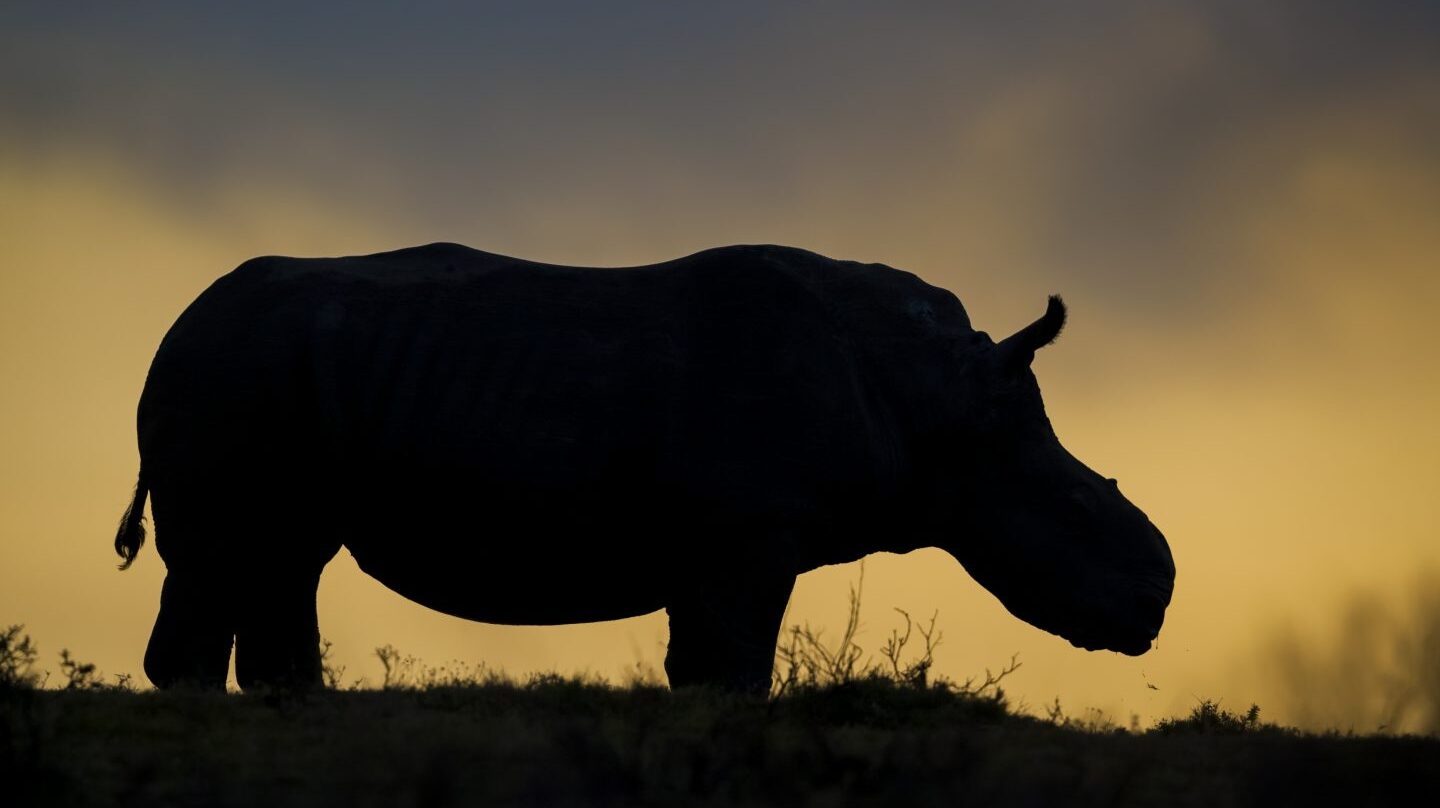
(1134, 646)
(1131, 632)
(1133, 642)
(1128, 626)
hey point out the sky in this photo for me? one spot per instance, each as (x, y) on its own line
(1238, 201)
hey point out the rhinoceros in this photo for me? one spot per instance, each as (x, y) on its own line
(531, 444)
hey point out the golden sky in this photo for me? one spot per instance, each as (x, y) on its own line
(1239, 201)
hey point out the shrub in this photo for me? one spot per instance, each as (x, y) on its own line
(332, 674)
(805, 662)
(406, 672)
(17, 660)
(1209, 718)
(83, 675)
(1092, 719)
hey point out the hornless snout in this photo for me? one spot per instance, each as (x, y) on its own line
(1150, 613)
(1137, 613)
(1148, 604)
(1135, 625)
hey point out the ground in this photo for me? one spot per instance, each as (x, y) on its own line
(552, 741)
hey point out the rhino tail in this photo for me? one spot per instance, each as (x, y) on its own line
(131, 534)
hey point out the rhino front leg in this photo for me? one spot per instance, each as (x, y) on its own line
(724, 635)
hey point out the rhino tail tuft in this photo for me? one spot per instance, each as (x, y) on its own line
(131, 535)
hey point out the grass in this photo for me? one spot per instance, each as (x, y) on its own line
(839, 728)
(558, 741)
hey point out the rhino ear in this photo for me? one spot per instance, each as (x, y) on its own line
(1018, 350)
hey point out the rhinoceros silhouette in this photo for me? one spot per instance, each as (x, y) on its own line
(523, 443)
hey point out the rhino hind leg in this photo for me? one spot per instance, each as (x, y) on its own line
(277, 643)
(190, 644)
(724, 636)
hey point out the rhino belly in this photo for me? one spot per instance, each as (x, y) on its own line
(514, 570)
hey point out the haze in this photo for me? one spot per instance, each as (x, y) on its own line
(1239, 202)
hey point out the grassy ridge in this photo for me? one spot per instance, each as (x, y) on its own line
(554, 741)
(839, 729)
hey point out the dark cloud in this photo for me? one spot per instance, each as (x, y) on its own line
(1102, 131)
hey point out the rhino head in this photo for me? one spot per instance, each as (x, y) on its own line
(1057, 543)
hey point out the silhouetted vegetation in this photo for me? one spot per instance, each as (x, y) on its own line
(1091, 719)
(1378, 671)
(17, 659)
(1209, 717)
(804, 660)
(840, 682)
(840, 728)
